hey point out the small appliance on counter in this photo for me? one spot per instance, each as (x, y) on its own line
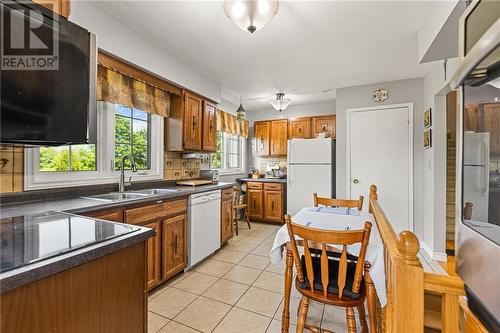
(210, 174)
(274, 172)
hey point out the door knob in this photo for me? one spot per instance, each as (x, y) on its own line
(355, 181)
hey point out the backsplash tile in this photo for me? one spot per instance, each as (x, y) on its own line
(176, 167)
(261, 163)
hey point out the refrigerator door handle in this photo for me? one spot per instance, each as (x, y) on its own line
(289, 176)
(486, 173)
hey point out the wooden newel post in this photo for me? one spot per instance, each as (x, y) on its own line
(373, 196)
(408, 302)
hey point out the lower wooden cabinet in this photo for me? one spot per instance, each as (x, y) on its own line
(255, 204)
(273, 206)
(226, 218)
(265, 201)
(154, 255)
(174, 245)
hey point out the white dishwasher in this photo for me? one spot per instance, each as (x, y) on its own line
(203, 225)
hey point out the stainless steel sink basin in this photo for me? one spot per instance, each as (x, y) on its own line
(156, 191)
(118, 196)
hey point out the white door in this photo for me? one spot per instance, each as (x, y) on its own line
(380, 147)
(305, 179)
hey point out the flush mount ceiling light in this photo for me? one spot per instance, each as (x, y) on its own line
(280, 103)
(251, 15)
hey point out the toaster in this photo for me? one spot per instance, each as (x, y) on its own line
(210, 174)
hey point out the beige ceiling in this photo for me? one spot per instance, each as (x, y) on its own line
(310, 46)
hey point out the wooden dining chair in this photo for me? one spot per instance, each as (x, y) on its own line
(333, 281)
(348, 203)
(238, 205)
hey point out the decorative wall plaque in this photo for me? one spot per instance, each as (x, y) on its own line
(380, 95)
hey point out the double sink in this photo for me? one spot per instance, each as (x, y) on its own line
(131, 195)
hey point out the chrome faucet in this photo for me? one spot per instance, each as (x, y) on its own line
(121, 185)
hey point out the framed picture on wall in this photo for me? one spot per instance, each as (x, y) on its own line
(428, 138)
(428, 118)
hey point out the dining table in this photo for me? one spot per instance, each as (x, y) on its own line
(330, 218)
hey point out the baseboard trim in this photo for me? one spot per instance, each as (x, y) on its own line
(437, 256)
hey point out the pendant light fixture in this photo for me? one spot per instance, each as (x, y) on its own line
(251, 15)
(280, 103)
(241, 113)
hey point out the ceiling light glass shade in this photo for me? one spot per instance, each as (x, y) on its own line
(251, 15)
(240, 113)
(280, 103)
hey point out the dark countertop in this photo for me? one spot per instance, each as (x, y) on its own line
(31, 249)
(48, 266)
(263, 180)
(84, 204)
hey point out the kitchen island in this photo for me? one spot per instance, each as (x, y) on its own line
(67, 273)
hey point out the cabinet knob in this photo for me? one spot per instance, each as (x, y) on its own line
(355, 181)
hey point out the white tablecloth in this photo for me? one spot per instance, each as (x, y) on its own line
(333, 220)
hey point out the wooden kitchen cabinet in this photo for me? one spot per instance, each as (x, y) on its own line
(322, 124)
(279, 137)
(262, 137)
(61, 7)
(115, 215)
(154, 255)
(491, 124)
(226, 219)
(192, 122)
(167, 251)
(209, 127)
(471, 117)
(255, 204)
(300, 128)
(273, 206)
(191, 125)
(266, 201)
(174, 246)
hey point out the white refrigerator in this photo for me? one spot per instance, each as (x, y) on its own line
(311, 168)
(476, 173)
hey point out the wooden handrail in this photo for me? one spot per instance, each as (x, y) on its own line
(406, 281)
(404, 311)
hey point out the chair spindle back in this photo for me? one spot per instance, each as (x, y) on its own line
(319, 238)
(330, 202)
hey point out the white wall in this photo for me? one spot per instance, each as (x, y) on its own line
(404, 91)
(124, 43)
(268, 113)
(434, 172)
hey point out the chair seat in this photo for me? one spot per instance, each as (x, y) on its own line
(333, 269)
(239, 206)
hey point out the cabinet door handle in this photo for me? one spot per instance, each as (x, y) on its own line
(194, 122)
(175, 245)
(272, 206)
(254, 203)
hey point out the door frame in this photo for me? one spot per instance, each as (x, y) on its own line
(409, 106)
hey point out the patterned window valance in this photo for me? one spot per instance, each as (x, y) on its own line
(118, 88)
(228, 123)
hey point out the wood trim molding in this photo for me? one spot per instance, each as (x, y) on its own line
(135, 72)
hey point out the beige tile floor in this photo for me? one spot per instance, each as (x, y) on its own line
(237, 290)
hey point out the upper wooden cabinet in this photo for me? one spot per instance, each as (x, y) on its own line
(191, 125)
(262, 137)
(300, 128)
(279, 137)
(471, 117)
(209, 127)
(484, 118)
(491, 114)
(192, 122)
(323, 124)
(61, 7)
(271, 137)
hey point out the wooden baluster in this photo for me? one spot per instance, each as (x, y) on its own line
(309, 265)
(324, 270)
(373, 196)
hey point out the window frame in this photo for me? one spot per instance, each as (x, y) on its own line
(242, 158)
(35, 179)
